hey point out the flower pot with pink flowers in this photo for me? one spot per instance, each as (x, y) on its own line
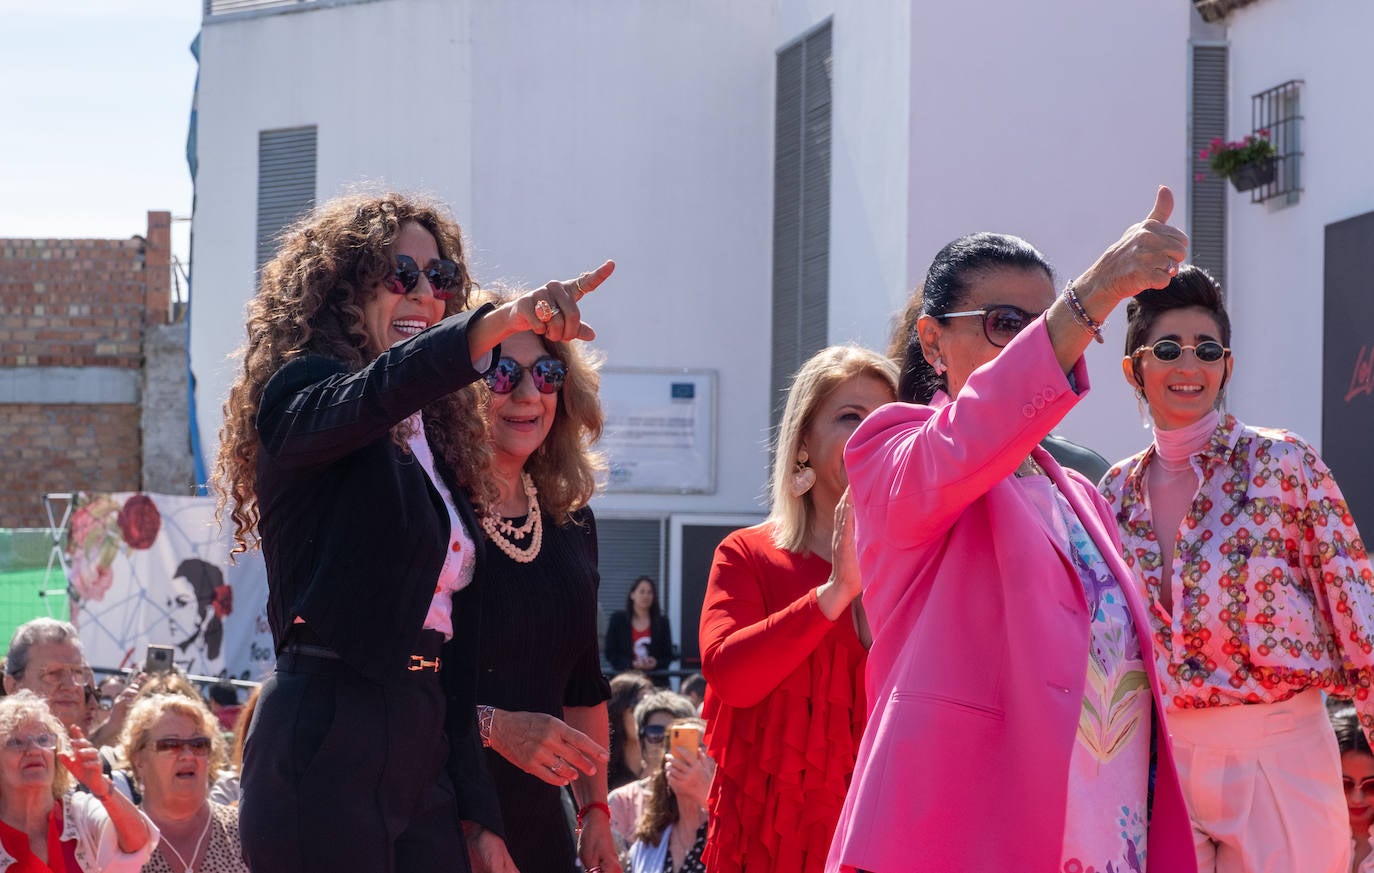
(1248, 163)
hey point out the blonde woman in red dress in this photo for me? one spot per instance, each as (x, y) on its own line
(783, 664)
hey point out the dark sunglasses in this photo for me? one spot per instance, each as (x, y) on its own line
(654, 733)
(443, 277)
(199, 746)
(1366, 785)
(1000, 323)
(548, 374)
(1208, 351)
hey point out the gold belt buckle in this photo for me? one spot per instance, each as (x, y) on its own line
(418, 662)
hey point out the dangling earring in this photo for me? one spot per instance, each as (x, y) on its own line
(803, 477)
(1145, 421)
(938, 365)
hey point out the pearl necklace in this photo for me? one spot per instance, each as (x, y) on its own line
(205, 832)
(505, 534)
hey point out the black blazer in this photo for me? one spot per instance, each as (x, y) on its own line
(620, 651)
(354, 533)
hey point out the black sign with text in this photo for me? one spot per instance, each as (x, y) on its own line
(1348, 364)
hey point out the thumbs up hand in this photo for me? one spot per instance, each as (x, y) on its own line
(1146, 256)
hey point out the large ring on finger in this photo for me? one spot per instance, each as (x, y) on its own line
(545, 311)
(1172, 268)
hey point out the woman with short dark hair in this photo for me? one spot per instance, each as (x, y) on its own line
(1260, 588)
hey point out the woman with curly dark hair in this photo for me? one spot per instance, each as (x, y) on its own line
(352, 451)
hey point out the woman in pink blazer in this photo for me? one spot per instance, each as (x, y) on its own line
(1015, 717)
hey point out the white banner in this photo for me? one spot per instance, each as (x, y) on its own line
(153, 568)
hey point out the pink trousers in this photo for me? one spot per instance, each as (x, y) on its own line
(1263, 786)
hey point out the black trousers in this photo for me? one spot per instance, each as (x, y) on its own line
(344, 773)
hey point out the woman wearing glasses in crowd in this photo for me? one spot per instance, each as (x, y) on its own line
(352, 440)
(542, 694)
(43, 825)
(649, 719)
(174, 747)
(1008, 642)
(783, 663)
(1260, 594)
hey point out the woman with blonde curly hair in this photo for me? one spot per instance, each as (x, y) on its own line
(783, 663)
(174, 747)
(543, 695)
(353, 451)
(43, 825)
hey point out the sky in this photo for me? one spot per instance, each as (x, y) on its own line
(93, 130)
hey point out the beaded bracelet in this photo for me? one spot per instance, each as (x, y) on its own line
(1081, 315)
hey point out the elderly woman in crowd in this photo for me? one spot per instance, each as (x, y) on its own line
(1007, 638)
(540, 686)
(1260, 593)
(784, 666)
(649, 721)
(43, 826)
(627, 689)
(671, 834)
(174, 746)
(352, 441)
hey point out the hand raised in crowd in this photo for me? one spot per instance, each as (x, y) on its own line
(544, 746)
(107, 734)
(689, 776)
(1146, 256)
(552, 311)
(83, 762)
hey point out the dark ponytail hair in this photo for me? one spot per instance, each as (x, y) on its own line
(945, 290)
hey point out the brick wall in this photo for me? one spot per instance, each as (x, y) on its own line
(64, 447)
(75, 319)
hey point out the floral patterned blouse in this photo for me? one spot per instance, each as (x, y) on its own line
(1272, 587)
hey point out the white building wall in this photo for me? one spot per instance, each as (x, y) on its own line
(640, 132)
(1054, 122)
(1276, 251)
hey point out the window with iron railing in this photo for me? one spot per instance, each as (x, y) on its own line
(1277, 115)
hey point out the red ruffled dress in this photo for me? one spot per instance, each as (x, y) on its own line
(784, 707)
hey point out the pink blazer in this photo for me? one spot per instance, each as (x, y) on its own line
(980, 634)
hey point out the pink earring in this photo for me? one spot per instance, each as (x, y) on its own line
(1145, 420)
(938, 365)
(803, 476)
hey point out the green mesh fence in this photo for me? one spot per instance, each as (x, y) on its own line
(24, 578)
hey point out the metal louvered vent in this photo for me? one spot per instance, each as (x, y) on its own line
(1207, 201)
(801, 209)
(286, 183)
